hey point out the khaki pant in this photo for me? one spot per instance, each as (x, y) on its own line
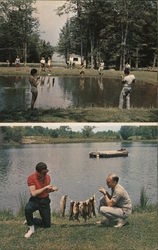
(112, 213)
(125, 98)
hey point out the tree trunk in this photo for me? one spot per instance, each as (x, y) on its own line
(155, 60)
(137, 58)
(92, 51)
(25, 54)
(121, 61)
(124, 28)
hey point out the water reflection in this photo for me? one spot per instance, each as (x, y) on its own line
(75, 173)
(57, 92)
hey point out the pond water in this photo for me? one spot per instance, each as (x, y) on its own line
(63, 92)
(75, 173)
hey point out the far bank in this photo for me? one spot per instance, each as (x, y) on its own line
(141, 75)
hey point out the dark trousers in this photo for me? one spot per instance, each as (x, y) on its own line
(43, 206)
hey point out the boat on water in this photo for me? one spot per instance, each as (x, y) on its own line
(109, 153)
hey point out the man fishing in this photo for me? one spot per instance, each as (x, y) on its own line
(128, 80)
(39, 187)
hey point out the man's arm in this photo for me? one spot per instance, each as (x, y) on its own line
(108, 200)
(34, 192)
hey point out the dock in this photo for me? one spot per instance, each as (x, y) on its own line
(109, 153)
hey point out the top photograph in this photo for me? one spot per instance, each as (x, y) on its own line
(78, 61)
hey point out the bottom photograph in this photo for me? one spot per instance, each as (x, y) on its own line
(78, 186)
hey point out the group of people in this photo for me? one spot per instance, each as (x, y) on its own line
(115, 207)
(127, 79)
(43, 64)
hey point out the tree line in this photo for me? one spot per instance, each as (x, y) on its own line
(114, 31)
(125, 133)
(19, 32)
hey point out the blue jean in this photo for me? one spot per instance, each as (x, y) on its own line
(43, 206)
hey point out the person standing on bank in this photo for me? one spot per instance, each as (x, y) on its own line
(117, 206)
(17, 62)
(49, 63)
(34, 81)
(128, 80)
(39, 186)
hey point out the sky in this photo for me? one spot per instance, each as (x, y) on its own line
(50, 23)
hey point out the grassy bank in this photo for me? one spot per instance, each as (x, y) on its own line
(140, 234)
(145, 76)
(89, 114)
(50, 140)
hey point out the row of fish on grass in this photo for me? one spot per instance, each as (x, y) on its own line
(85, 209)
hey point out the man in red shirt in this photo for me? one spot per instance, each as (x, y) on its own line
(39, 186)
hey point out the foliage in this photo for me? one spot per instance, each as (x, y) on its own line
(110, 30)
(87, 131)
(6, 214)
(22, 200)
(143, 198)
(146, 132)
(126, 132)
(19, 33)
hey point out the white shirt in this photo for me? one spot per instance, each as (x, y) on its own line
(43, 61)
(128, 80)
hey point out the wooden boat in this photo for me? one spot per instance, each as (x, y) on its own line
(108, 154)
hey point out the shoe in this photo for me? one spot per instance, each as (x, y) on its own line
(121, 223)
(104, 222)
(25, 222)
(30, 232)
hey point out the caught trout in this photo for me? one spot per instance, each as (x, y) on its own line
(63, 205)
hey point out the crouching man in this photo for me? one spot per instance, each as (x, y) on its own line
(117, 206)
(39, 186)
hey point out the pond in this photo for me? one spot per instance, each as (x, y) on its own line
(64, 92)
(75, 173)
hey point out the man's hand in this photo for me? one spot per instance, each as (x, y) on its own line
(102, 190)
(54, 188)
(48, 188)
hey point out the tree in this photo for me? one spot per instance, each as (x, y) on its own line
(18, 25)
(87, 131)
(64, 41)
(46, 50)
(126, 132)
(112, 30)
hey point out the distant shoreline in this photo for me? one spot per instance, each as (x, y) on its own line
(62, 71)
(30, 140)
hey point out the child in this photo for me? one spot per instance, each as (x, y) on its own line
(34, 81)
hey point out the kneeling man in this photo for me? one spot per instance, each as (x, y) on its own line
(117, 206)
(39, 186)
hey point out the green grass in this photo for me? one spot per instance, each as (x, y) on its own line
(140, 234)
(89, 114)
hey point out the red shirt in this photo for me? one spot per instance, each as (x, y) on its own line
(33, 180)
